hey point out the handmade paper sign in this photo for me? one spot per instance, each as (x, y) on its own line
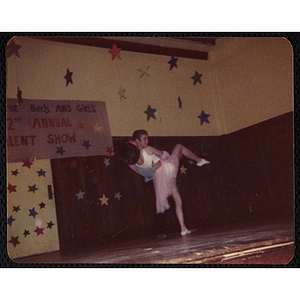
(56, 129)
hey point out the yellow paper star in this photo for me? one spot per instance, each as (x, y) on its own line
(97, 128)
(121, 93)
(183, 170)
(144, 70)
(104, 200)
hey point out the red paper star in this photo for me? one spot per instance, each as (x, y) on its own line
(12, 48)
(115, 52)
(73, 164)
(26, 232)
(15, 173)
(39, 230)
(109, 150)
(27, 163)
(16, 208)
(11, 188)
(14, 241)
(50, 224)
(42, 205)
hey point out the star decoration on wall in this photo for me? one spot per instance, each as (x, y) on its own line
(150, 113)
(144, 70)
(197, 77)
(13, 48)
(27, 163)
(33, 213)
(42, 205)
(50, 224)
(15, 172)
(183, 170)
(11, 188)
(39, 230)
(203, 117)
(10, 220)
(110, 150)
(173, 62)
(118, 195)
(115, 52)
(139, 193)
(16, 208)
(26, 232)
(41, 173)
(60, 150)
(86, 144)
(19, 96)
(104, 200)
(80, 195)
(73, 164)
(94, 180)
(97, 128)
(106, 162)
(121, 93)
(14, 241)
(68, 77)
(32, 188)
(180, 102)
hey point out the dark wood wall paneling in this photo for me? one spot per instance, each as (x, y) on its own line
(249, 181)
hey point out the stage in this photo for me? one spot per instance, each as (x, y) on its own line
(255, 245)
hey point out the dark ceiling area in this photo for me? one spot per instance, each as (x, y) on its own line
(188, 47)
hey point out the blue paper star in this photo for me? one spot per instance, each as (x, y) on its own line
(41, 173)
(86, 144)
(68, 77)
(203, 117)
(80, 195)
(173, 62)
(197, 77)
(32, 188)
(106, 162)
(60, 150)
(10, 220)
(118, 195)
(139, 193)
(150, 112)
(94, 180)
(33, 213)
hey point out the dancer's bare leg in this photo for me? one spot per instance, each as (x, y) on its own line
(180, 150)
(178, 209)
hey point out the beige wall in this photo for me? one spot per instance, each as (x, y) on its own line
(42, 66)
(246, 81)
(254, 80)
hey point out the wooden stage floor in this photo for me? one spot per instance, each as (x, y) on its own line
(258, 245)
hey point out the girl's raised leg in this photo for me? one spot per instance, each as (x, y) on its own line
(179, 150)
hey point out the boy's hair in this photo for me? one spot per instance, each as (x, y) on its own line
(138, 133)
(130, 154)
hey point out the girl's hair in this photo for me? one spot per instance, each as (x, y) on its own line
(129, 154)
(138, 133)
